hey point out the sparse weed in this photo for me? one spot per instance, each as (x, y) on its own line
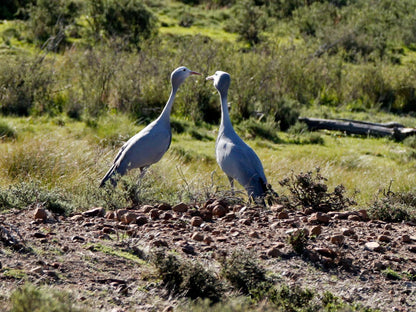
(308, 190)
(298, 239)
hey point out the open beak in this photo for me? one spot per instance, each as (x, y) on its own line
(195, 73)
(210, 78)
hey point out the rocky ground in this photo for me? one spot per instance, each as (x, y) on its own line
(98, 255)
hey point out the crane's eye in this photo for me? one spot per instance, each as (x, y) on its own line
(184, 69)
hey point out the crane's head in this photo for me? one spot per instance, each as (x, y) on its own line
(221, 80)
(179, 75)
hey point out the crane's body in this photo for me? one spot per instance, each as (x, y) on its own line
(151, 143)
(237, 159)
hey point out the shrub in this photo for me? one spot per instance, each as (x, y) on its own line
(127, 20)
(249, 21)
(7, 132)
(265, 130)
(49, 20)
(190, 279)
(24, 195)
(244, 272)
(26, 86)
(308, 190)
(31, 298)
(394, 207)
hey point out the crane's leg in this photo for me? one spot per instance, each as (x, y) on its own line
(232, 184)
(139, 180)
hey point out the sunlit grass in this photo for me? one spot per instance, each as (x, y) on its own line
(74, 157)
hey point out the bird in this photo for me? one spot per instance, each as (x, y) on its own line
(237, 159)
(151, 143)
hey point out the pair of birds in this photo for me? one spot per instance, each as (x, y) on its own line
(234, 156)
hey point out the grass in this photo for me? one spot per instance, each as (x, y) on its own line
(72, 157)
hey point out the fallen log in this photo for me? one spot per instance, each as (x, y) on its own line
(393, 129)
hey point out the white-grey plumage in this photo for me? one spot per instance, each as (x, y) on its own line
(234, 156)
(150, 144)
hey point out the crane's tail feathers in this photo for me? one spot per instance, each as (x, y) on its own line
(109, 176)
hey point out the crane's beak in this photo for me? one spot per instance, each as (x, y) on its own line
(210, 78)
(195, 73)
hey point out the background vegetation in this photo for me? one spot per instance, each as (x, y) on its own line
(79, 77)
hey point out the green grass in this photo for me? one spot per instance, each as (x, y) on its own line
(74, 157)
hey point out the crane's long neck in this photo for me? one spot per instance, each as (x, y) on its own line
(225, 116)
(165, 115)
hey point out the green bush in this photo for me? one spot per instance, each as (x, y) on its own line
(244, 272)
(49, 21)
(190, 279)
(7, 132)
(27, 85)
(29, 298)
(129, 22)
(394, 207)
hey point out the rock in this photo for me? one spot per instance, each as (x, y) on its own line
(245, 221)
(363, 214)
(326, 252)
(94, 212)
(197, 236)
(77, 217)
(196, 221)
(276, 208)
(283, 215)
(254, 234)
(181, 207)
(273, 252)
(110, 215)
(39, 235)
(319, 217)
(208, 239)
(308, 211)
(160, 243)
(316, 230)
(373, 246)
(147, 208)
(379, 265)
(154, 214)
(221, 239)
(40, 214)
(78, 239)
(337, 239)
(206, 214)
(108, 230)
(347, 232)
(412, 248)
(120, 213)
(37, 270)
(354, 217)
(384, 238)
(230, 216)
(164, 207)
(141, 220)
(219, 211)
(128, 218)
(188, 249)
(406, 238)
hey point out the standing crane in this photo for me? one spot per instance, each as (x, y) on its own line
(150, 144)
(234, 156)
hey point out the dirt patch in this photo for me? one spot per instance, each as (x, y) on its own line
(99, 256)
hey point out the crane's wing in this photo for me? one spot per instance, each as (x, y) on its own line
(239, 161)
